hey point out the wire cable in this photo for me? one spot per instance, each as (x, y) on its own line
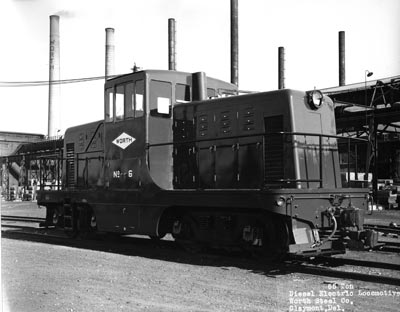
(46, 82)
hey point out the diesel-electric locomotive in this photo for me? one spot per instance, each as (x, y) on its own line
(184, 154)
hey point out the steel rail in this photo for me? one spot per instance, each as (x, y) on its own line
(289, 265)
(356, 262)
(309, 269)
(22, 219)
(382, 228)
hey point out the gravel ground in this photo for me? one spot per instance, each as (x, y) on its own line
(37, 276)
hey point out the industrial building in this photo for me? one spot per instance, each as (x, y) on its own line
(9, 141)
(20, 162)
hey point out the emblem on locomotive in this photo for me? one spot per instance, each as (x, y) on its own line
(124, 140)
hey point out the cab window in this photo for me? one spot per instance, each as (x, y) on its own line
(139, 98)
(160, 98)
(134, 99)
(129, 101)
(124, 101)
(182, 93)
(108, 99)
(119, 102)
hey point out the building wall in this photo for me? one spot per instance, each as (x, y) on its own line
(9, 141)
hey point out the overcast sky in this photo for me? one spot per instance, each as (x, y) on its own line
(308, 29)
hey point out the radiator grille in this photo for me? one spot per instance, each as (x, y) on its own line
(70, 157)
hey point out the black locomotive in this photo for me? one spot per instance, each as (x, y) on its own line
(182, 153)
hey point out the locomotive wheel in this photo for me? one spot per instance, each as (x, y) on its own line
(275, 241)
(50, 212)
(56, 217)
(185, 228)
(86, 223)
(283, 241)
(93, 222)
(186, 239)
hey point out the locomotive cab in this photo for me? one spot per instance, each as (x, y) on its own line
(138, 114)
(138, 107)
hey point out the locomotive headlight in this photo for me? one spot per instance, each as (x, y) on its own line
(280, 201)
(315, 99)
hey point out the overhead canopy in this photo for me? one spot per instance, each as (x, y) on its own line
(356, 104)
(382, 91)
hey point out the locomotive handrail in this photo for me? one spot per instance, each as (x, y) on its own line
(316, 146)
(76, 158)
(44, 183)
(148, 145)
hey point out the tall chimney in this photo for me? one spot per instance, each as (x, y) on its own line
(342, 61)
(110, 49)
(171, 44)
(281, 68)
(54, 76)
(234, 43)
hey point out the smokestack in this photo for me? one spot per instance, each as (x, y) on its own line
(110, 48)
(199, 86)
(171, 44)
(342, 61)
(281, 68)
(54, 76)
(234, 43)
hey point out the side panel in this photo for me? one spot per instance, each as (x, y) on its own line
(206, 149)
(275, 155)
(84, 156)
(226, 149)
(250, 149)
(318, 121)
(225, 157)
(159, 128)
(125, 152)
(184, 158)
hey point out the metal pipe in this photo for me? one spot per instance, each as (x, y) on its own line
(333, 231)
(342, 61)
(348, 161)
(281, 68)
(171, 44)
(54, 75)
(234, 43)
(199, 86)
(110, 49)
(321, 175)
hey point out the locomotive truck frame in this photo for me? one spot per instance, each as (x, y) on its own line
(182, 153)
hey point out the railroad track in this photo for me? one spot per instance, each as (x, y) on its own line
(22, 219)
(383, 229)
(363, 263)
(322, 266)
(335, 267)
(326, 271)
(388, 237)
